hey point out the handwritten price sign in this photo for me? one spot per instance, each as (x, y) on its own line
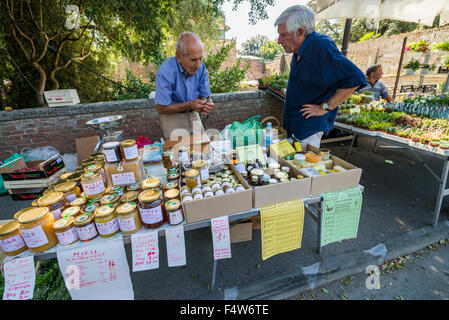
(20, 278)
(221, 238)
(145, 251)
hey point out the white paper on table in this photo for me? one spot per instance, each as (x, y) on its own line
(145, 251)
(176, 248)
(221, 238)
(20, 278)
(97, 272)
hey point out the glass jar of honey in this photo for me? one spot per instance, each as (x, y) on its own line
(130, 196)
(134, 187)
(55, 202)
(112, 152)
(203, 168)
(70, 190)
(171, 194)
(111, 199)
(173, 176)
(174, 212)
(85, 226)
(129, 218)
(170, 185)
(34, 203)
(93, 185)
(129, 150)
(20, 212)
(36, 229)
(11, 242)
(115, 189)
(79, 202)
(74, 212)
(91, 207)
(96, 167)
(151, 208)
(193, 178)
(106, 221)
(151, 183)
(76, 177)
(65, 231)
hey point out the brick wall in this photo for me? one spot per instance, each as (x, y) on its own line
(59, 127)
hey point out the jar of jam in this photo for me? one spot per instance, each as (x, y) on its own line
(93, 185)
(79, 202)
(11, 242)
(112, 152)
(130, 196)
(97, 168)
(71, 212)
(203, 168)
(36, 229)
(64, 176)
(113, 200)
(129, 218)
(106, 221)
(208, 194)
(171, 194)
(151, 209)
(193, 178)
(20, 212)
(174, 212)
(85, 226)
(55, 202)
(65, 231)
(183, 153)
(151, 183)
(70, 190)
(167, 160)
(129, 150)
(254, 181)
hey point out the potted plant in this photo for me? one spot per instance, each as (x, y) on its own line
(422, 46)
(425, 68)
(411, 66)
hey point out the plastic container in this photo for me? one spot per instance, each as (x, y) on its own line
(299, 159)
(11, 242)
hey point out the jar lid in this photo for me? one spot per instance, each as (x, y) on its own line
(71, 211)
(272, 181)
(90, 175)
(257, 172)
(104, 211)
(64, 176)
(63, 223)
(91, 207)
(114, 189)
(75, 176)
(186, 195)
(79, 201)
(254, 178)
(173, 175)
(9, 227)
(171, 185)
(83, 219)
(128, 143)
(65, 186)
(134, 187)
(274, 165)
(33, 215)
(111, 145)
(110, 198)
(20, 212)
(50, 198)
(198, 163)
(92, 167)
(126, 208)
(149, 195)
(129, 196)
(174, 204)
(34, 203)
(300, 156)
(172, 193)
(192, 173)
(151, 183)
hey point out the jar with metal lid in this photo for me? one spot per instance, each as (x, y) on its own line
(203, 168)
(245, 175)
(174, 212)
(206, 188)
(187, 197)
(36, 229)
(184, 189)
(193, 178)
(134, 187)
(254, 181)
(20, 212)
(128, 218)
(286, 169)
(272, 181)
(151, 183)
(151, 208)
(325, 154)
(130, 196)
(55, 202)
(115, 190)
(256, 172)
(11, 242)
(229, 190)
(91, 207)
(264, 180)
(171, 194)
(208, 194)
(219, 191)
(113, 200)
(167, 160)
(85, 226)
(129, 150)
(93, 185)
(112, 152)
(281, 175)
(106, 221)
(226, 184)
(97, 168)
(70, 190)
(272, 166)
(239, 188)
(183, 153)
(71, 212)
(65, 231)
(284, 180)
(79, 202)
(64, 176)
(170, 185)
(198, 196)
(173, 176)
(34, 203)
(76, 177)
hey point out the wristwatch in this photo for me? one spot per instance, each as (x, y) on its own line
(325, 106)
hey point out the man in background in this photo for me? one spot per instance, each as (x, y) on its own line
(373, 75)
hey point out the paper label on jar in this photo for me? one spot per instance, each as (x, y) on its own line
(106, 228)
(12, 244)
(127, 224)
(70, 197)
(151, 216)
(110, 155)
(34, 237)
(130, 152)
(93, 188)
(204, 173)
(56, 213)
(123, 178)
(176, 217)
(67, 237)
(86, 232)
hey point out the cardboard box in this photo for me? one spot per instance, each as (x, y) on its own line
(85, 147)
(219, 206)
(241, 232)
(333, 181)
(198, 142)
(46, 169)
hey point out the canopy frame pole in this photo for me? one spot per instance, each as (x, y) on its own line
(398, 74)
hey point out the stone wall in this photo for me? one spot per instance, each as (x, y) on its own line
(59, 127)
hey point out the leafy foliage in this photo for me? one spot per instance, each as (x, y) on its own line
(369, 36)
(441, 46)
(419, 46)
(412, 64)
(252, 45)
(270, 49)
(140, 88)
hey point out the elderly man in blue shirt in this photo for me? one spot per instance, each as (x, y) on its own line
(320, 79)
(182, 89)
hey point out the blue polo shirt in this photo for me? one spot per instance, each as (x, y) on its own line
(174, 85)
(320, 71)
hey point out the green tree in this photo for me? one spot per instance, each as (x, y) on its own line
(270, 49)
(251, 46)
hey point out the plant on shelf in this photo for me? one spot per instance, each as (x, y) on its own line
(428, 66)
(422, 46)
(412, 64)
(445, 60)
(440, 46)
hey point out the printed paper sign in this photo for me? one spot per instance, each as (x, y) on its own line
(221, 238)
(20, 278)
(176, 249)
(97, 272)
(123, 178)
(145, 251)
